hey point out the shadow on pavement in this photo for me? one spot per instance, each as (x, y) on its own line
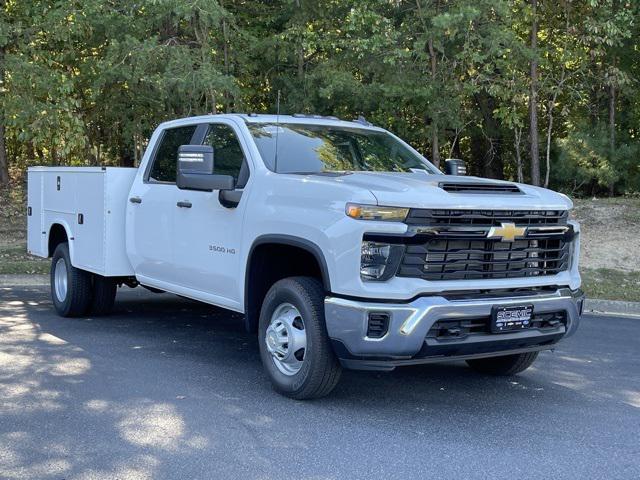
(164, 382)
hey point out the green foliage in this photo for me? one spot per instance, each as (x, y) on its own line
(86, 81)
(585, 161)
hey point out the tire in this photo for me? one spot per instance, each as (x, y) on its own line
(318, 368)
(506, 365)
(104, 295)
(70, 287)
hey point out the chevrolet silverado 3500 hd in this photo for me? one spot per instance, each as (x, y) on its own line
(340, 243)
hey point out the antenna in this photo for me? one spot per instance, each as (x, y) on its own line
(275, 160)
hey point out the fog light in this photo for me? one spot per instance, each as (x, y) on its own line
(378, 324)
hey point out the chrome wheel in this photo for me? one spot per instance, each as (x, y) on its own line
(60, 279)
(286, 339)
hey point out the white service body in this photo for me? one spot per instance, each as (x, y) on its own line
(58, 195)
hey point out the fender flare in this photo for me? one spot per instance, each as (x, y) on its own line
(293, 241)
(67, 229)
(289, 240)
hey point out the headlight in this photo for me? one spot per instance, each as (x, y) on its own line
(373, 212)
(379, 261)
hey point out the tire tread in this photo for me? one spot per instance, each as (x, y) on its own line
(79, 290)
(104, 295)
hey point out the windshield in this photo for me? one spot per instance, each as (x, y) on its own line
(326, 148)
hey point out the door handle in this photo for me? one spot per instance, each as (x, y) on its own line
(135, 200)
(184, 204)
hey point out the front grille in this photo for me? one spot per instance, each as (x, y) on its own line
(458, 329)
(465, 259)
(453, 244)
(485, 218)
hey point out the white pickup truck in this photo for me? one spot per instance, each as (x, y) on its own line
(340, 243)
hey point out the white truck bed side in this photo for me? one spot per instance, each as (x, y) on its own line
(90, 203)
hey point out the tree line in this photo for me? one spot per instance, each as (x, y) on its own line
(539, 91)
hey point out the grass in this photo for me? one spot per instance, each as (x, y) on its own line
(607, 284)
(13, 240)
(15, 259)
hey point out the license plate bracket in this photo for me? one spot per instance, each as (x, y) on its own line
(510, 318)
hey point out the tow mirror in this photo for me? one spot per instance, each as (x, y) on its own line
(195, 170)
(455, 166)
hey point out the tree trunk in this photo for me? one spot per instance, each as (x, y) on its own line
(227, 63)
(300, 52)
(435, 156)
(300, 62)
(612, 129)
(517, 134)
(4, 162)
(552, 103)
(594, 89)
(135, 149)
(492, 162)
(126, 156)
(533, 98)
(435, 148)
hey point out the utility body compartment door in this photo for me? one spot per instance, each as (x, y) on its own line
(89, 222)
(36, 234)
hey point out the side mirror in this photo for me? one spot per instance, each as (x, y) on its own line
(195, 170)
(455, 166)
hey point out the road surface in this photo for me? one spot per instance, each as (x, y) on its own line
(170, 389)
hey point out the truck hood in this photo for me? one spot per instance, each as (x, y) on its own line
(421, 190)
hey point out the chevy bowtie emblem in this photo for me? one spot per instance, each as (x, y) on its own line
(507, 231)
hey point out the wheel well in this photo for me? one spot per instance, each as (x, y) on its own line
(57, 235)
(270, 262)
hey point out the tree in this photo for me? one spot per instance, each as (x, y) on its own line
(85, 82)
(533, 99)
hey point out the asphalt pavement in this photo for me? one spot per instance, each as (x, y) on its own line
(167, 388)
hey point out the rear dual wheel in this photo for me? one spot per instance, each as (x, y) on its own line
(76, 292)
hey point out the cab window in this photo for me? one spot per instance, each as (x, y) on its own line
(228, 158)
(165, 162)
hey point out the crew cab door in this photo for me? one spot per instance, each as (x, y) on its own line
(151, 211)
(208, 231)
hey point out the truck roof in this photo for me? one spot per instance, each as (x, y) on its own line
(271, 118)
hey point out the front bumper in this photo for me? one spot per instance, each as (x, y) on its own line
(406, 342)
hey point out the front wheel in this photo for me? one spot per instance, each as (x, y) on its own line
(294, 345)
(70, 286)
(505, 365)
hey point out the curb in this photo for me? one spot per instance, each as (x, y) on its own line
(612, 307)
(608, 307)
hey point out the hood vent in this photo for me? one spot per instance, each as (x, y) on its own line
(479, 187)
